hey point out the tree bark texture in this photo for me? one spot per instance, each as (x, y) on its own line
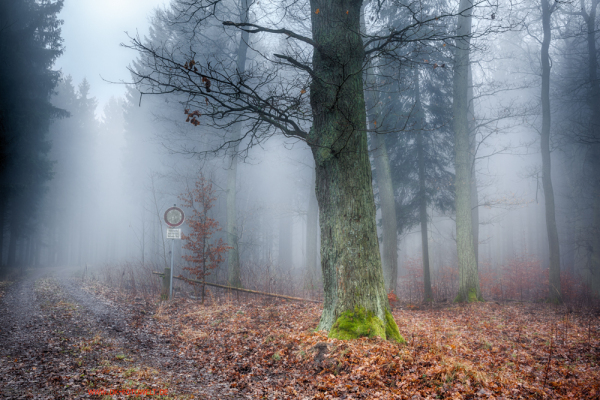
(312, 219)
(554, 283)
(356, 302)
(233, 255)
(427, 292)
(467, 264)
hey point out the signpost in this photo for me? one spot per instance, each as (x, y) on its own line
(174, 217)
(173, 233)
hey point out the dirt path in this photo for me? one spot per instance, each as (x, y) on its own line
(61, 341)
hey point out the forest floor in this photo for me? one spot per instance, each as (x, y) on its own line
(64, 338)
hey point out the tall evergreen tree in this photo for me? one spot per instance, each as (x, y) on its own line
(30, 42)
(408, 113)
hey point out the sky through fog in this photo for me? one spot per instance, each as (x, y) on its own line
(92, 32)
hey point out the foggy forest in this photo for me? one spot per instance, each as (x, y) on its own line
(290, 199)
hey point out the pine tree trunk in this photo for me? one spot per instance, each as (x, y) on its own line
(356, 302)
(467, 264)
(233, 255)
(427, 292)
(554, 284)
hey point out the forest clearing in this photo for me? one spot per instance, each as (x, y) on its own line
(85, 338)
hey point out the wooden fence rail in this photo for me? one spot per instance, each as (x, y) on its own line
(181, 278)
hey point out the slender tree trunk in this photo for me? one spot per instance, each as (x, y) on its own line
(590, 20)
(311, 234)
(233, 255)
(82, 234)
(472, 153)
(423, 218)
(356, 302)
(383, 179)
(467, 264)
(555, 291)
(285, 243)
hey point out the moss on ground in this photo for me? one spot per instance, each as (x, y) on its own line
(362, 323)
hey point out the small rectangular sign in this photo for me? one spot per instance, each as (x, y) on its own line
(173, 233)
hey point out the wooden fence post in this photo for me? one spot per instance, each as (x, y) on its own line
(166, 283)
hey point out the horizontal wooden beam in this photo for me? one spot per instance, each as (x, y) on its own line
(181, 278)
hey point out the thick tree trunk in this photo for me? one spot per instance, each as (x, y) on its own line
(555, 291)
(312, 219)
(356, 302)
(427, 292)
(467, 264)
(233, 255)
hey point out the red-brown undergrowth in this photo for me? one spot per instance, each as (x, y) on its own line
(486, 350)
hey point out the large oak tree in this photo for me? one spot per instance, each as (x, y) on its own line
(308, 86)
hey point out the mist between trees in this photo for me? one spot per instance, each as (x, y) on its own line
(358, 152)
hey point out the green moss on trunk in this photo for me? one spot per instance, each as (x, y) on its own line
(472, 295)
(362, 323)
(470, 298)
(350, 259)
(391, 329)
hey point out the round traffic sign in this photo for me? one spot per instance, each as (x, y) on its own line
(174, 216)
